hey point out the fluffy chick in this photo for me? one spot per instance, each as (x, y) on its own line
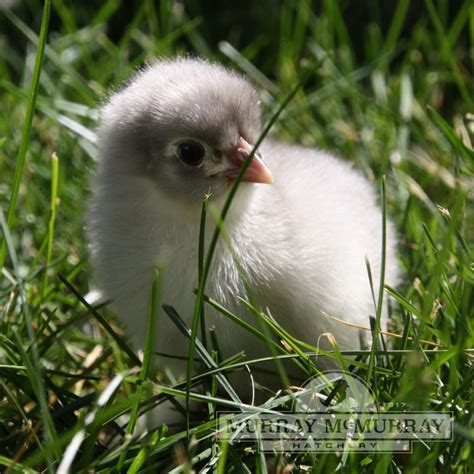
(301, 225)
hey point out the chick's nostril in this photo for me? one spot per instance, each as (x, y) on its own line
(217, 155)
(239, 156)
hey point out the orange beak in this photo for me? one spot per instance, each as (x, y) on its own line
(257, 172)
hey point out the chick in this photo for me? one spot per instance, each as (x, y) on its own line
(301, 225)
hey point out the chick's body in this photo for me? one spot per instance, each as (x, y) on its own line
(301, 241)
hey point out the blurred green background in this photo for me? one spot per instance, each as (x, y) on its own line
(387, 62)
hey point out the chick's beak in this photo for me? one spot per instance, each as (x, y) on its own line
(257, 172)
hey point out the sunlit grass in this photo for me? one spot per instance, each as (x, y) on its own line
(396, 100)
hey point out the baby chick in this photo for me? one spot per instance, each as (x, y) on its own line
(301, 225)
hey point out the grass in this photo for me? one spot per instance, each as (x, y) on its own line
(393, 93)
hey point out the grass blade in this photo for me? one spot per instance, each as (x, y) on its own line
(202, 284)
(201, 352)
(26, 131)
(376, 330)
(52, 219)
(33, 363)
(121, 343)
(148, 349)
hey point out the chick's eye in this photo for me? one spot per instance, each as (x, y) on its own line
(191, 153)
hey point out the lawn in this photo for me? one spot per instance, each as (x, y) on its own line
(387, 85)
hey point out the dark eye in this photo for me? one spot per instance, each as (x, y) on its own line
(191, 153)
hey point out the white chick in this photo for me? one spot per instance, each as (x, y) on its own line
(302, 222)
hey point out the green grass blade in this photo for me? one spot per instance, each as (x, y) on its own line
(52, 219)
(26, 131)
(447, 52)
(450, 135)
(121, 343)
(200, 296)
(201, 351)
(14, 467)
(380, 300)
(33, 362)
(396, 25)
(202, 240)
(148, 350)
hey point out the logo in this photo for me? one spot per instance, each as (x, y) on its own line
(334, 412)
